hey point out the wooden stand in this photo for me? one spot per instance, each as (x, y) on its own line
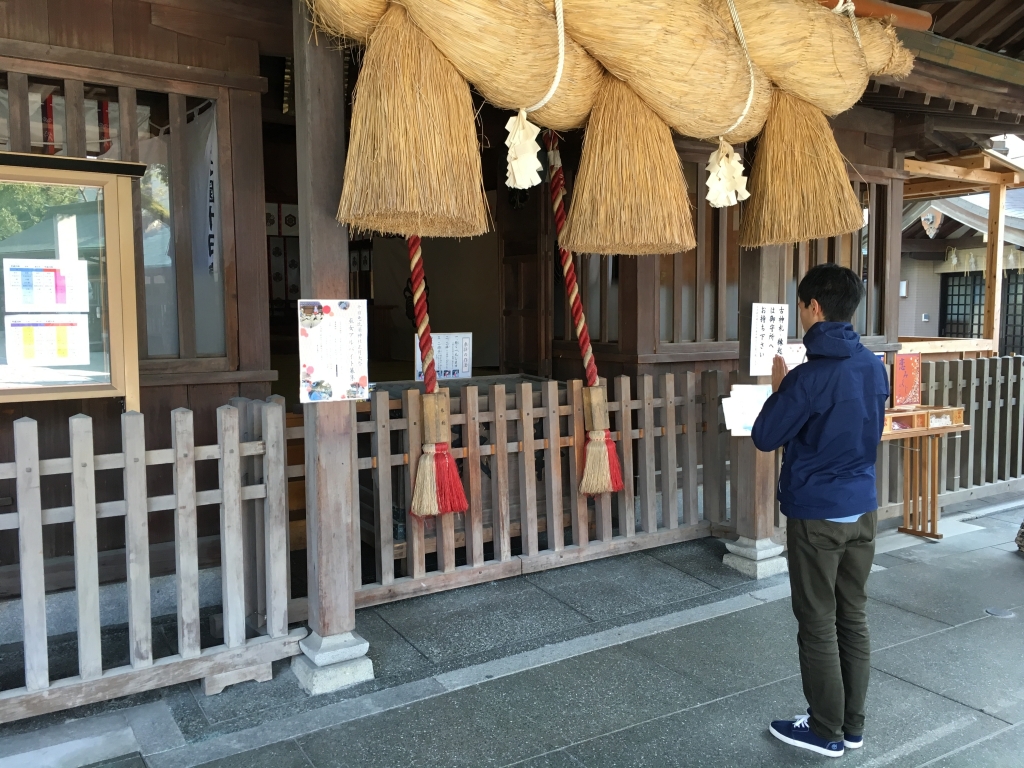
(914, 426)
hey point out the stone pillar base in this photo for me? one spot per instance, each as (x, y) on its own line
(329, 664)
(756, 559)
(316, 680)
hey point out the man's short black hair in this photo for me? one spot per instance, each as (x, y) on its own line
(838, 290)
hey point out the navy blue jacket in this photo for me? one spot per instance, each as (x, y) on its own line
(829, 414)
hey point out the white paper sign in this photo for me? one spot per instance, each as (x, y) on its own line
(45, 285)
(743, 406)
(453, 355)
(768, 333)
(47, 340)
(333, 350)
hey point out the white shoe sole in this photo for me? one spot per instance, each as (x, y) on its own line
(853, 745)
(804, 744)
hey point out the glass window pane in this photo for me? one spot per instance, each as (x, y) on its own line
(102, 123)
(5, 115)
(204, 196)
(53, 247)
(47, 120)
(157, 242)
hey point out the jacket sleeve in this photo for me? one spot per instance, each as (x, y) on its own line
(783, 416)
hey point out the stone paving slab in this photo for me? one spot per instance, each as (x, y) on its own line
(998, 751)
(976, 664)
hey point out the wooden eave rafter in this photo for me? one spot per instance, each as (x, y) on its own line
(957, 176)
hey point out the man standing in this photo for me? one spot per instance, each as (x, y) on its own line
(828, 413)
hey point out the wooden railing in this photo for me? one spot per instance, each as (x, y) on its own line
(250, 445)
(986, 459)
(520, 454)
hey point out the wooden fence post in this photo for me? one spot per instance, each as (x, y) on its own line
(553, 467)
(669, 463)
(275, 517)
(469, 399)
(688, 455)
(500, 516)
(231, 545)
(30, 552)
(648, 487)
(527, 471)
(715, 447)
(186, 553)
(382, 504)
(627, 498)
(87, 576)
(578, 508)
(140, 628)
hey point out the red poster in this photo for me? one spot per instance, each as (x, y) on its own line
(906, 380)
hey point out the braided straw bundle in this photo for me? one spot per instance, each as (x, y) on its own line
(413, 163)
(805, 49)
(799, 188)
(884, 52)
(353, 19)
(508, 49)
(679, 57)
(630, 195)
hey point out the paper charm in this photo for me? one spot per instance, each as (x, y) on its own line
(726, 183)
(523, 164)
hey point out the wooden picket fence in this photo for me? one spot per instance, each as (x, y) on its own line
(250, 445)
(989, 458)
(520, 454)
(520, 451)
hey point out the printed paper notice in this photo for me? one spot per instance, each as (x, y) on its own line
(333, 351)
(768, 332)
(453, 355)
(795, 354)
(42, 285)
(47, 340)
(743, 406)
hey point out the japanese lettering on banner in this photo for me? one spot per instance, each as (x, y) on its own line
(768, 333)
(453, 355)
(333, 351)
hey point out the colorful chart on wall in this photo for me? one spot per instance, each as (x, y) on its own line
(333, 355)
(768, 332)
(453, 355)
(906, 380)
(47, 340)
(45, 285)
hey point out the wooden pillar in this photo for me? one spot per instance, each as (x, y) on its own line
(334, 654)
(994, 263)
(755, 554)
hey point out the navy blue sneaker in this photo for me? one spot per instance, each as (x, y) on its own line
(850, 742)
(798, 733)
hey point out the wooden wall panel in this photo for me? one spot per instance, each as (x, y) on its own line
(194, 52)
(85, 24)
(25, 20)
(250, 232)
(274, 39)
(134, 35)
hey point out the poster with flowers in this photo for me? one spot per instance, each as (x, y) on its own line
(333, 351)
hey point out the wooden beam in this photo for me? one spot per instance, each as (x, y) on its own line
(993, 261)
(20, 139)
(939, 245)
(919, 189)
(930, 47)
(332, 488)
(917, 168)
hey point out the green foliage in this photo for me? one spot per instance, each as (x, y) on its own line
(24, 205)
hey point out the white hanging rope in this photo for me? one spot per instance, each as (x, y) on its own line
(726, 183)
(750, 68)
(523, 165)
(847, 7)
(560, 21)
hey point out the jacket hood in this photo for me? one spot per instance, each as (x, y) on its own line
(827, 339)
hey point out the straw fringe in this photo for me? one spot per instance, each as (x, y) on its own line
(352, 19)
(630, 195)
(509, 51)
(602, 472)
(885, 54)
(413, 163)
(681, 58)
(799, 187)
